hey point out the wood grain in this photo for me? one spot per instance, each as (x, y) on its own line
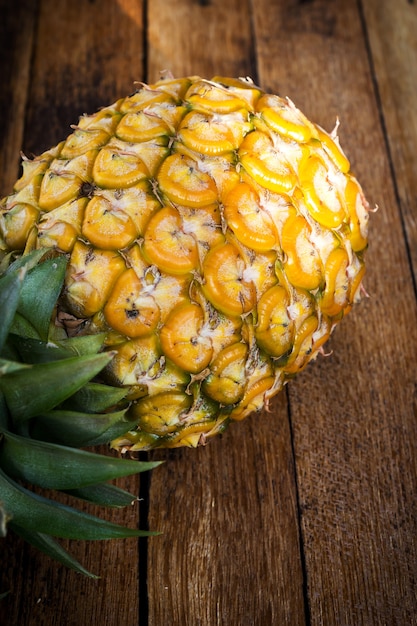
(86, 56)
(236, 548)
(391, 28)
(75, 68)
(44, 593)
(17, 38)
(206, 38)
(307, 514)
(229, 552)
(354, 413)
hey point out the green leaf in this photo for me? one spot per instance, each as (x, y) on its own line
(10, 289)
(54, 466)
(21, 326)
(6, 261)
(76, 429)
(51, 548)
(104, 495)
(95, 397)
(8, 367)
(9, 353)
(4, 414)
(40, 292)
(38, 514)
(33, 350)
(39, 389)
(82, 345)
(28, 261)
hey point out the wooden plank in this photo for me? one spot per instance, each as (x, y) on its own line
(85, 57)
(229, 550)
(229, 553)
(353, 413)
(16, 33)
(200, 37)
(391, 28)
(44, 593)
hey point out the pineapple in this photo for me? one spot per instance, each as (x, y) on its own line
(214, 237)
(31, 352)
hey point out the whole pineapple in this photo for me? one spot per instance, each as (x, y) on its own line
(214, 234)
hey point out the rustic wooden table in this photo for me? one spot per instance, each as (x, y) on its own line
(307, 514)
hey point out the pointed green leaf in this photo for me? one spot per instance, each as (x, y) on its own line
(9, 352)
(41, 388)
(8, 367)
(51, 548)
(95, 397)
(10, 289)
(40, 292)
(82, 345)
(4, 415)
(28, 261)
(59, 467)
(104, 495)
(76, 429)
(6, 262)
(33, 350)
(38, 514)
(21, 326)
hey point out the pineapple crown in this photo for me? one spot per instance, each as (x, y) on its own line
(49, 409)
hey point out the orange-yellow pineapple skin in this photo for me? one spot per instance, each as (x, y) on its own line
(213, 233)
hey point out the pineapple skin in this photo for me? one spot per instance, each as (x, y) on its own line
(213, 233)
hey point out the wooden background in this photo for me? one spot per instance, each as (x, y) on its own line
(308, 514)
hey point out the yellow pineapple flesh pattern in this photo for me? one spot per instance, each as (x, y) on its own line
(215, 235)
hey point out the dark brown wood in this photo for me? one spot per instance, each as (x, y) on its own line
(83, 56)
(352, 439)
(17, 32)
(354, 413)
(391, 29)
(236, 548)
(195, 37)
(228, 517)
(307, 514)
(44, 593)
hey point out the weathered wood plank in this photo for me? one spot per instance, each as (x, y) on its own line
(229, 550)
(229, 553)
(85, 55)
(353, 414)
(200, 37)
(44, 593)
(391, 27)
(16, 35)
